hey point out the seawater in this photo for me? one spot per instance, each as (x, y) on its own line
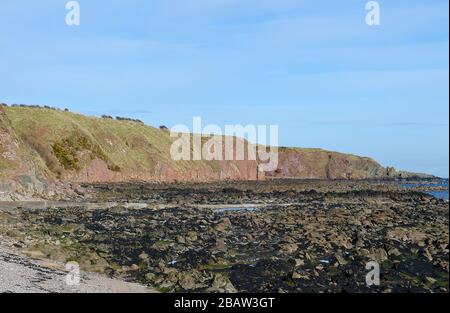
(439, 194)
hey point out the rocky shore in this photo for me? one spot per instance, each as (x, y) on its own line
(277, 236)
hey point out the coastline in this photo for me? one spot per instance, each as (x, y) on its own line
(295, 236)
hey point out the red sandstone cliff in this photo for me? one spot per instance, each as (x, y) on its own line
(41, 148)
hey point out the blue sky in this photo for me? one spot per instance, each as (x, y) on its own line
(313, 67)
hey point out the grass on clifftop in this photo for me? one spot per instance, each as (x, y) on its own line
(64, 141)
(123, 144)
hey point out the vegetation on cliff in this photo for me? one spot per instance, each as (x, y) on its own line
(57, 144)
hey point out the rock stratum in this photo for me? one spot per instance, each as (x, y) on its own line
(42, 150)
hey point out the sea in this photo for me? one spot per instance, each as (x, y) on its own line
(439, 194)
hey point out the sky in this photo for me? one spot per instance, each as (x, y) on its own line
(312, 67)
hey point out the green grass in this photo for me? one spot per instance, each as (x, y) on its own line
(6, 164)
(161, 244)
(215, 266)
(163, 289)
(123, 145)
(443, 279)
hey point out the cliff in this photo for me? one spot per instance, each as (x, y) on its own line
(42, 147)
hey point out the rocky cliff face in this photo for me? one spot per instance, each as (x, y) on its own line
(19, 172)
(42, 148)
(321, 164)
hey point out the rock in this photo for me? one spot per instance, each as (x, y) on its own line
(172, 274)
(143, 256)
(299, 262)
(364, 252)
(181, 239)
(166, 284)
(428, 255)
(170, 270)
(288, 248)
(161, 266)
(79, 190)
(191, 236)
(20, 246)
(223, 225)
(340, 259)
(296, 275)
(229, 288)
(221, 245)
(347, 245)
(360, 242)
(187, 281)
(150, 277)
(134, 267)
(380, 255)
(220, 281)
(35, 254)
(394, 252)
(248, 251)
(430, 280)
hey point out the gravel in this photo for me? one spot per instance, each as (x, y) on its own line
(22, 275)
